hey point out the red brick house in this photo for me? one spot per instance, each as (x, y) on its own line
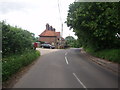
(49, 35)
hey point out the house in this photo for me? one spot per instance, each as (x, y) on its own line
(49, 35)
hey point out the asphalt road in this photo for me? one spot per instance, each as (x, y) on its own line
(67, 69)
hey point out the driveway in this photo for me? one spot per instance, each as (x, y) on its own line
(44, 51)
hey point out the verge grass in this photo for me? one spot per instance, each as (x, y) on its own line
(13, 63)
(108, 54)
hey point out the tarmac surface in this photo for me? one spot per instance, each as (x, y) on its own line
(69, 68)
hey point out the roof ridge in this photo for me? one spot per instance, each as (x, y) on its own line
(48, 33)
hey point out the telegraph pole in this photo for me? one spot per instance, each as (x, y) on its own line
(61, 34)
(61, 29)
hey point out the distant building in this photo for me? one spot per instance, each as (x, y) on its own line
(49, 35)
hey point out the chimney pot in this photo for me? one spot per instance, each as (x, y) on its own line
(51, 28)
(47, 26)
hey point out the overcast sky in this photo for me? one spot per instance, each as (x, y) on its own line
(33, 15)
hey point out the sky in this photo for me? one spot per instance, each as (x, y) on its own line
(33, 15)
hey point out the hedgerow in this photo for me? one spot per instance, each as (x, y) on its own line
(17, 49)
(15, 40)
(14, 63)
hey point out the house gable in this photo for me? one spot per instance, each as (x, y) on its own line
(49, 35)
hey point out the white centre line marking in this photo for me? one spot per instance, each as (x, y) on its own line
(66, 60)
(79, 81)
(66, 53)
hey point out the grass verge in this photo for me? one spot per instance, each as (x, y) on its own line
(14, 63)
(108, 54)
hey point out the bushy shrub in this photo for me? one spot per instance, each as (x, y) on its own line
(12, 64)
(15, 40)
(96, 24)
(108, 54)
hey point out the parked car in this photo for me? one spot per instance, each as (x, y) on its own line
(47, 46)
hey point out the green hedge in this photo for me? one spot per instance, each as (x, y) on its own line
(12, 64)
(97, 25)
(112, 55)
(108, 54)
(15, 40)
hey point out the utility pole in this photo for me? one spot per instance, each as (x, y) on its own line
(61, 29)
(61, 34)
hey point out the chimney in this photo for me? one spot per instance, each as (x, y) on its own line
(47, 26)
(51, 28)
(54, 29)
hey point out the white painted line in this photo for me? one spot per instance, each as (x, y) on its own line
(79, 81)
(66, 60)
(66, 53)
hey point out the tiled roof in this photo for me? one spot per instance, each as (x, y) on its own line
(58, 34)
(48, 33)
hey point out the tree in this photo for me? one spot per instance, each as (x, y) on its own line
(0, 38)
(15, 40)
(72, 42)
(95, 24)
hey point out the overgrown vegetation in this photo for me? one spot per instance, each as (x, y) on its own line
(15, 40)
(97, 26)
(17, 49)
(72, 42)
(108, 54)
(14, 63)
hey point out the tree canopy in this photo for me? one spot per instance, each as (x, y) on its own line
(72, 42)
(15, 40)
(95, 23)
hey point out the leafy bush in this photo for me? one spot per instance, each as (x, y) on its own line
(15, 40)
(12, 64)
(108, 54)
(72, 42)
(112, 55)
(95, 23)
(17, 49)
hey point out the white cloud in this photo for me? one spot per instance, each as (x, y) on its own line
(34, 14)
